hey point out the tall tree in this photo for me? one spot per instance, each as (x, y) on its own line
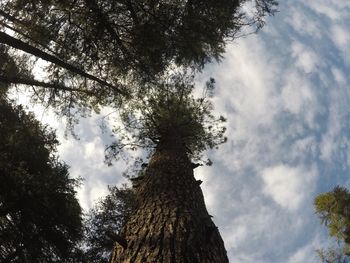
(170, 223)
(333, 208)
(40, 217)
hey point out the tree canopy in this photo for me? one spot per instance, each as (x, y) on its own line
(40, 217)
(96, 47)
(333, 208)
(169, 115)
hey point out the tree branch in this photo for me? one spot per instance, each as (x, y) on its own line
(102, 19)
(18, 44)
(33, 82)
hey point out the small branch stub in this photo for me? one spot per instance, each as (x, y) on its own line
(116, 238)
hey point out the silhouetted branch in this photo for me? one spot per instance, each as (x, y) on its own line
(18, 44)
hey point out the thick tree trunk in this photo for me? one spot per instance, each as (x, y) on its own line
(171, 223)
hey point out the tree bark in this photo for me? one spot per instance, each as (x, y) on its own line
(171, 223)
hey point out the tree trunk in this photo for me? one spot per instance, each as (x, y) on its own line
(171, 223)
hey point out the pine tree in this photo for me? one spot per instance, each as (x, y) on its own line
(333, 208)
(40, 217)
(171, 222)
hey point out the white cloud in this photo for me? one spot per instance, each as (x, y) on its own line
(301, 22)
(296, 94)
(336, 140)
(340, 36)
(89, 194)
(333, 9)
(303, 255)
(306, 58)
(287, 185)
(248, 83)
(307, 146)
(339, 76)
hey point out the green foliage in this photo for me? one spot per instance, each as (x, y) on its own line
(133, 35)
(40, 217)
(123, 41)
(108, 216)
(333, 208)
(118, 42)
(169, 116)
(11, 65)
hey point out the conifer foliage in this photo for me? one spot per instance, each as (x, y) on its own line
(95, 47)
(333, 208)
(169, 113)
(40, 217)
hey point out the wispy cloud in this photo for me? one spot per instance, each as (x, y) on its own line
(285, 93)
(287, 185)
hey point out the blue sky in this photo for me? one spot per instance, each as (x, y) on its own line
(285, 92)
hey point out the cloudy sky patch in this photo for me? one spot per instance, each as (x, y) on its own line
(287, 185)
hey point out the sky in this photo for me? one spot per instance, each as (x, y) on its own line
(285, 92)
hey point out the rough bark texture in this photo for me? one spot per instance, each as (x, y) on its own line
(171, 223)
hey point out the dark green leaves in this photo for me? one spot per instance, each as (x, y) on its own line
(39, 213)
